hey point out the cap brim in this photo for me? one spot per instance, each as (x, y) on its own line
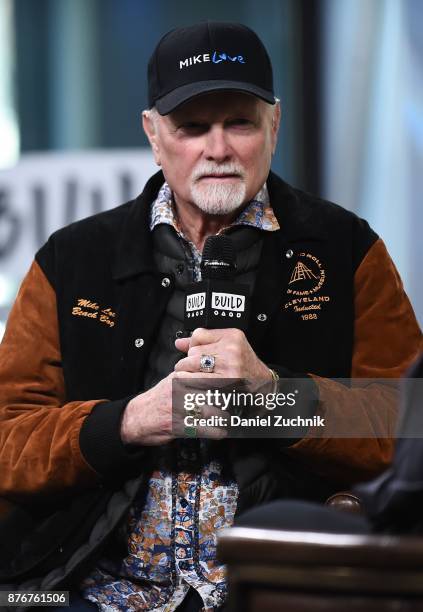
(178, 96)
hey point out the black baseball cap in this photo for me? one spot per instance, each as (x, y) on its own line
(205, 57)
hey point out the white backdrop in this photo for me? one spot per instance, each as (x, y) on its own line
(46, 191)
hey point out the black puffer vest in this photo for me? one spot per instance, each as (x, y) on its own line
(172, 257)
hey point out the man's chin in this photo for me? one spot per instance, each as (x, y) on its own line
(219, 208)
(219, 200)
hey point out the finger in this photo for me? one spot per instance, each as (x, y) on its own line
(202, 336)
(204, 349)
(196, 352)
(211, 422)
(211, 411)
(207, 336)
(182, 344)
(200, 376)
(188, 364)
(201, 412)
(192, 364)
(199, 382)
(229, 360)
(213, 433)
(200, 430)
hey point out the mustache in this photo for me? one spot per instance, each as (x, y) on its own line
(206, 169)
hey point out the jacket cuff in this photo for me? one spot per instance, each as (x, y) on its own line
(100, 441)
(307, 392)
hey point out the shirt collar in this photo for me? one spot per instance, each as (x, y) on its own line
(257, 213)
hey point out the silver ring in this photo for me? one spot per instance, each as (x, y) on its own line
(207, 363)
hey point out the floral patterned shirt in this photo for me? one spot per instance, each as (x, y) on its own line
(258, 213)
(172, 533)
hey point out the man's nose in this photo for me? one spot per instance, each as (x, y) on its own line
(217, 147)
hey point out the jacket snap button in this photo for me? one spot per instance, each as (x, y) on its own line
(262, 317)
(289, 253)
(139, 342)
(166, 282)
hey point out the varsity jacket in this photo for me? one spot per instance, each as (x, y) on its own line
(327, 302)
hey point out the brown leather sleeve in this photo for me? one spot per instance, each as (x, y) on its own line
(39, 446)
(387, 339)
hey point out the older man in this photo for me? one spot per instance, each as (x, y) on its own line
(99, 495)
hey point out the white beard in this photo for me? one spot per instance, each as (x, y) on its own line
(218, 199)
(214, 198)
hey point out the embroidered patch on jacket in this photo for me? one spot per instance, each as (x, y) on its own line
(307, 279)
(92, 310)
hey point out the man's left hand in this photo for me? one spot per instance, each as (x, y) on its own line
(234, 357)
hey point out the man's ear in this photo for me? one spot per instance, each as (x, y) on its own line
(150, 129)
(276, 119)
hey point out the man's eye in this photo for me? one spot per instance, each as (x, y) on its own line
(193, 127)
(240, 122)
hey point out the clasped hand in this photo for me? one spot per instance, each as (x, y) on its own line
(148, 419)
